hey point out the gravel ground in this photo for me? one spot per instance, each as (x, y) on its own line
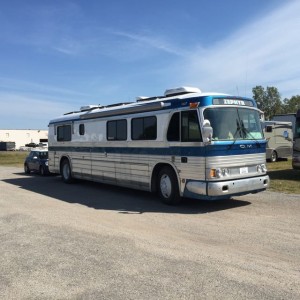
(94, 241)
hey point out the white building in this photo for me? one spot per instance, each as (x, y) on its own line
(23, 136)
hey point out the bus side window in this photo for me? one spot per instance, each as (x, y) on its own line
(81, 129)
(144, 128)
(64, 133)
(173, 134)
(190, 130)
(116, 130)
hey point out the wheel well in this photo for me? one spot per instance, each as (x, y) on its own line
(63, 158)
(275, 153)
(155, 173)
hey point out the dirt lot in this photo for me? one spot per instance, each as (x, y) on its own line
(93, 241)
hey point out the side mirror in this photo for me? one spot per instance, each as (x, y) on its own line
(35, 157)
(207, 131)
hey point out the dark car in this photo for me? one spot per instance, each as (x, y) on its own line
(37, 161)
(31, 145)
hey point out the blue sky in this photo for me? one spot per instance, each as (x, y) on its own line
(58, 55)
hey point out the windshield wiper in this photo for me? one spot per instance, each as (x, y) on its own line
(246, 131)
(238, 130)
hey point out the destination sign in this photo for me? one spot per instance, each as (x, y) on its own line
(240, 102)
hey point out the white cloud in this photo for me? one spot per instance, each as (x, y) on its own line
(26, 104)
(155, 42)
(265, 52)
(21, 111)
(28, 86)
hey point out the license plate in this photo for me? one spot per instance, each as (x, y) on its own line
(244, 170)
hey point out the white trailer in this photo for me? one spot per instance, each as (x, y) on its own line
(279, 136)
(287, 118)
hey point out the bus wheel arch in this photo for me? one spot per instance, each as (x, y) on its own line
(66, 170)
(165, 183)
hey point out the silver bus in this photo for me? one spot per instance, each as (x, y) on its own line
(185, 143)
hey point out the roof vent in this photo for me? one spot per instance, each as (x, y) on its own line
(88, 107)
(141, 98)
(181, 91)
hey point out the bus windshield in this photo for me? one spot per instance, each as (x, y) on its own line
(231, 123)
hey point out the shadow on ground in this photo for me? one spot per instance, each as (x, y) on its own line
(108, 197)
(287, 174)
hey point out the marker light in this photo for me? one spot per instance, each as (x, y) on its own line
(194, 104)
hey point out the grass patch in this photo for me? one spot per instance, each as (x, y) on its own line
(13, 158)
(283, 178)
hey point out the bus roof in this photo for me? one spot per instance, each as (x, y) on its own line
(144, 104)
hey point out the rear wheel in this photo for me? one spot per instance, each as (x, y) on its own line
(66, 172)
(168, 189)
(274, 156)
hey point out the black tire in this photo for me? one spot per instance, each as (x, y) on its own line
(274, 156)
(167, 186)
(66, 172)
(26, 169)
(42, 171)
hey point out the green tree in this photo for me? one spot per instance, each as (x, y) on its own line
(268, 100)
(291, 105)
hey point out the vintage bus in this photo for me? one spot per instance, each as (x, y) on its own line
(296, 147)
(184, 144)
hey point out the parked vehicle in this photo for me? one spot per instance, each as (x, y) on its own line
(279, 136)
(296, 148)
(7, 146)
(32, 145)
(174, 144)
(287, 118)
(37, 161)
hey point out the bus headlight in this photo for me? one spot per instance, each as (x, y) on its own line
(264, 168)
(261, 168)
(219, 172)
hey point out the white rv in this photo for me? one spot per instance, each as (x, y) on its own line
(279, 136)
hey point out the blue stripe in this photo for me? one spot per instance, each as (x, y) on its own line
(218, 149)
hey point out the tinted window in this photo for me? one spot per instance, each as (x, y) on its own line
(190, 130)
(81, 129)
(174, 128)
(144, 128)
(117, 130)
(43, 155)
(269, 129)
(64, 133)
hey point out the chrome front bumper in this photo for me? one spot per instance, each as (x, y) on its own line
(226, 189)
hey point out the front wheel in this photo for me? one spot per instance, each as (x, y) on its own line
(168, 189)
(26, 169)
(66, 172)
(274, 156)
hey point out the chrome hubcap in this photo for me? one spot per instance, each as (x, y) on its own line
(165, 186)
